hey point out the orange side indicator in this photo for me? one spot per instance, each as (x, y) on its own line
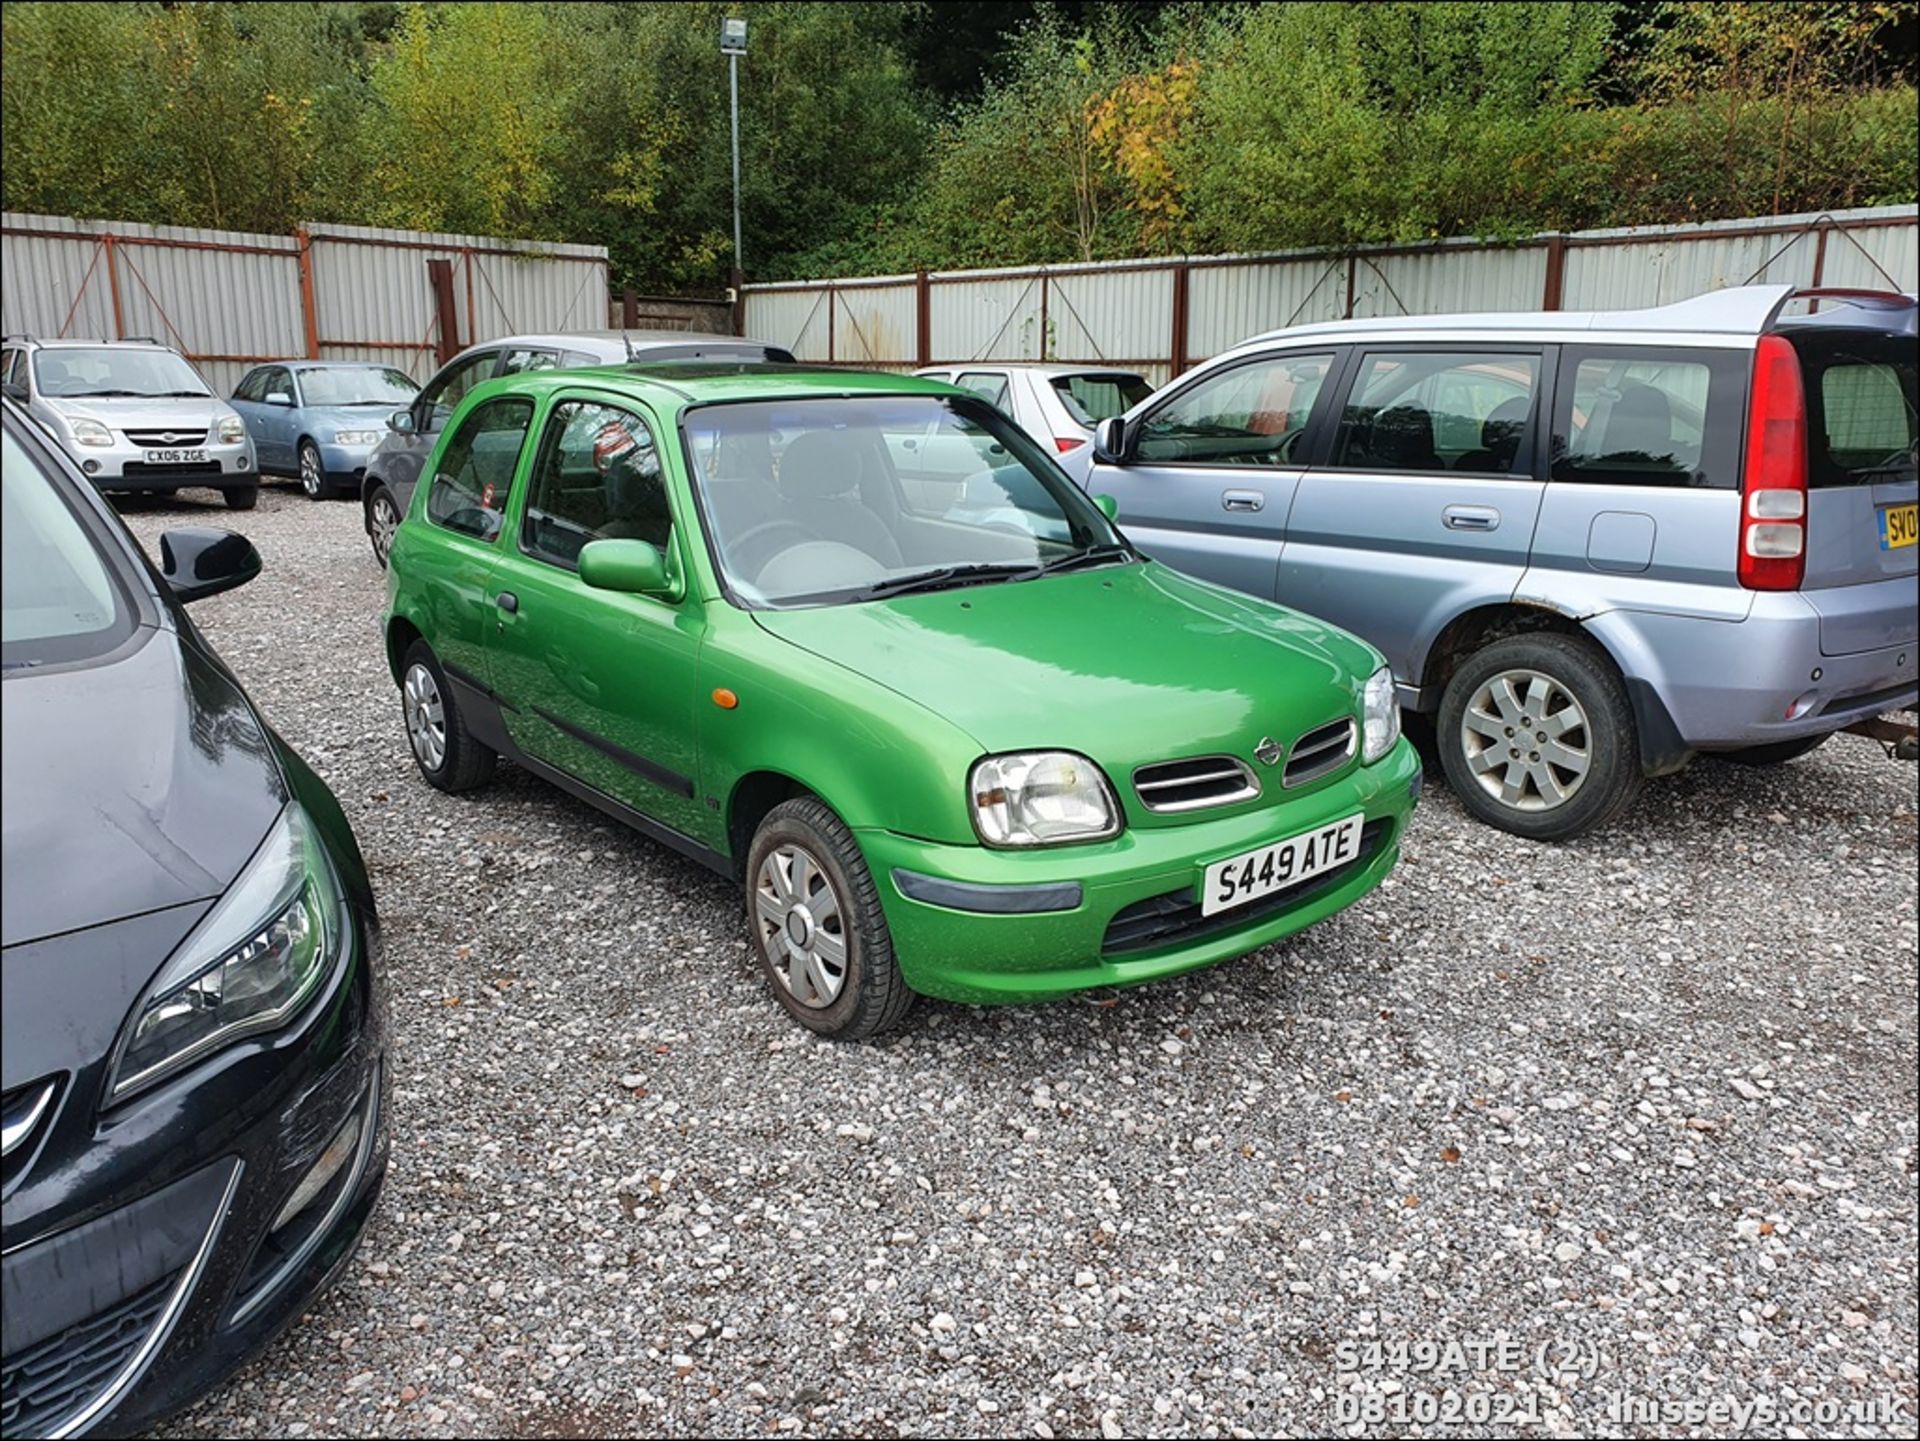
(725, 699)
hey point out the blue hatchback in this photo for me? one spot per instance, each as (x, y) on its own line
(319, 420)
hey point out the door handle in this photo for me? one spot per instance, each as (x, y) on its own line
(1470, 517)
(507, 601)
(1242, 500)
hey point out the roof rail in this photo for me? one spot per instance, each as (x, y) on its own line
(140, 339)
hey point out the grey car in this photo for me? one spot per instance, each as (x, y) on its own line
(386, 485)
(319, 420)
(1591, 545)
(133, 415)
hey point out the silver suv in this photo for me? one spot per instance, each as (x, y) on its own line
(1591, 545)
(133, 415)
(386, 486)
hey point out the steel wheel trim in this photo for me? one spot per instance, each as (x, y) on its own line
(385, 523)
(802, 925)
(311, 480)
(1527, 741)
(426, 717)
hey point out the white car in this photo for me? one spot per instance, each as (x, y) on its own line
(1058, 405)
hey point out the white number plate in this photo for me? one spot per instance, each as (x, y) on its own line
(1279, 866)
(176, 457)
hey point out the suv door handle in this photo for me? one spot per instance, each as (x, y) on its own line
(507, 601)
(1242, 500)
(1470, 517)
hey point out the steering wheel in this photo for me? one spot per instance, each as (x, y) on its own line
(738, 552)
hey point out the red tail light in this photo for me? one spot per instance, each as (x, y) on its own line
(1065, 443)
(1773, 503)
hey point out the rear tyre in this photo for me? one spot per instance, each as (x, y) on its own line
(817, 927)
(383, 519)
(1536, 736)
(449, 757)
(242, 497)
(313, 475)
(1779, 753)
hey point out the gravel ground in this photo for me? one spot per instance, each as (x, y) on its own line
(1650, 1097)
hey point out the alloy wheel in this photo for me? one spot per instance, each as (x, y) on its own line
(802, 925)
(426, 717)
(385, 521)
(311, 480)
(1527, 740)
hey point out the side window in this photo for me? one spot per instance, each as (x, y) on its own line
(1643, 417)
(1439, 411)
(985, 384)
(574, 359)
(251, 387)
(519, 360)
(597, 478)
(446, 390)
(1253, 414)
(476, 465)
(279, 381)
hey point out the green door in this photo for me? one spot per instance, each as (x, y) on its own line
(465, 501)
(600, 684)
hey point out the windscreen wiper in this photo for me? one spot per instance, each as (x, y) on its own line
(941, 577)
(1093, 555)
(91, 394)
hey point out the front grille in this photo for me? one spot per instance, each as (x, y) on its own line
(1320, 752)
(162, 439)
(134, 469)
(1174, 918)
(23, 1116)
(47, 1382)
(1194, 784)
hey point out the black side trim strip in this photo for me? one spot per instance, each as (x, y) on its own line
(472, 682)
(621, 811)
(987, 900)
(639, 765)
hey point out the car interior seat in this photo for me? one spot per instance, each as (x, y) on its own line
(1639, 427)
(819, 489)
(1500, 436)
(1402, 439)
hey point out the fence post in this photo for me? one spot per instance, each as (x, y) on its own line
(922, 320)
(309, 308)
(1556, 271)
(113, 285)
(1045, 278)
(440, 278)
(1353, 271)
(832, 305)
(1177, 341)
(629, 307)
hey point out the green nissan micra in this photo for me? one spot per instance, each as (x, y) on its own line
(857, 642)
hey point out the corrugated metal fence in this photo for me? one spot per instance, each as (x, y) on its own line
(229, 300)
(1161, 316)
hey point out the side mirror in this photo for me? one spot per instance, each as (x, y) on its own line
(199, 561)
(16, 393)
(631, 566)
(1110, 441)
(278, 397)
(1109, 507)
(401, 421)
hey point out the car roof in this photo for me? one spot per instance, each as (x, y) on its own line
(68, 342)
(1045, 369)
(614, 344)
(679, 384)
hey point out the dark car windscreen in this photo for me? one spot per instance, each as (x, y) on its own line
(59, 597)
(1091, 399)
(1863, 396)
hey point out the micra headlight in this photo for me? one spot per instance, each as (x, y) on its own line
(1041, 798)
(1380, 714)
(254, 960)
(233, 430)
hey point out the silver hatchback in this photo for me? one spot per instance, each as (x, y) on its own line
(1591, 545)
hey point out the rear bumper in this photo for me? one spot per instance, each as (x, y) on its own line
(1729, 685)
(987, 926)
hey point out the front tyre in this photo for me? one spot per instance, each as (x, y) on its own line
(241, 497)
(313, 475)
(449, 757)
(383, 519)
(1536, 736)
(817, 927)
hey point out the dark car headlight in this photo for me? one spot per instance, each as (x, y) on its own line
(250, 964)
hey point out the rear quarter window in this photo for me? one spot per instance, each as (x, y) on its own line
(1641, 416)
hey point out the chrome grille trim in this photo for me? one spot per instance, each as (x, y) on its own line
(1320, 752)
(23, 1111)
(1194, 783)
(172, 438)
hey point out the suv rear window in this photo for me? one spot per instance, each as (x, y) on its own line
(1646, 417)
(1861, 406)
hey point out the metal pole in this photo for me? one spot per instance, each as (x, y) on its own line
(733, 83)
